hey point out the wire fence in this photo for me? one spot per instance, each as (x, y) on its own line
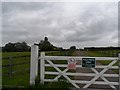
(16, 65)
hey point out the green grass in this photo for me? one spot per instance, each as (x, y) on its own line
(17, 79)
(59, 53)
(15, 60)
(103, 62)
(13, 54)
(108, 53)
(94, 54)
(22, 79)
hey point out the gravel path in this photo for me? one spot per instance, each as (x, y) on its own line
(88, 70)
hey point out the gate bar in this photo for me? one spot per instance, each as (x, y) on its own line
(42, 67)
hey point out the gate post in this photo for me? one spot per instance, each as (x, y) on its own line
(33, 64)
(119, 68)
(42, 67)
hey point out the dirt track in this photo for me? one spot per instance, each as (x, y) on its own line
(88, 70)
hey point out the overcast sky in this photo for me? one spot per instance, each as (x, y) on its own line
(64, 23)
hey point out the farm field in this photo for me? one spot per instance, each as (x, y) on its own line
(16, 79)
(99, 54)
(20, 67)
(20, 73)
(110, 53)
(14, 54)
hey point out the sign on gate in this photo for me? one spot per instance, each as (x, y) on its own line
(88, 62)
(72, 63)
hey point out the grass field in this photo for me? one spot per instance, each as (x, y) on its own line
(20, 79)
(16, 80)
(98, 54)
(110, 53)
(8, 54)
(103, 62)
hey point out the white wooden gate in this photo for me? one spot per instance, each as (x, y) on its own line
(96, 74)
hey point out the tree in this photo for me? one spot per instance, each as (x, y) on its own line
(72, 48)
(16, 47)
(46, 39)
(45, 45)
(10, 47)
(25, 47)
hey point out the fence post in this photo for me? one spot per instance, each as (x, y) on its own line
(42, 67)
(33, 64)
(119, 69)
(10, 67)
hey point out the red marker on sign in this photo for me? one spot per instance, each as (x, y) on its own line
(72, 63)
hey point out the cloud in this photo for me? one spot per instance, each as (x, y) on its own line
(70, 23)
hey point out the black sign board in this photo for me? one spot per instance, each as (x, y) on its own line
(88, 62)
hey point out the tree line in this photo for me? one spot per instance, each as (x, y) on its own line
(101, 48)
(44, 45)
(16, 47)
